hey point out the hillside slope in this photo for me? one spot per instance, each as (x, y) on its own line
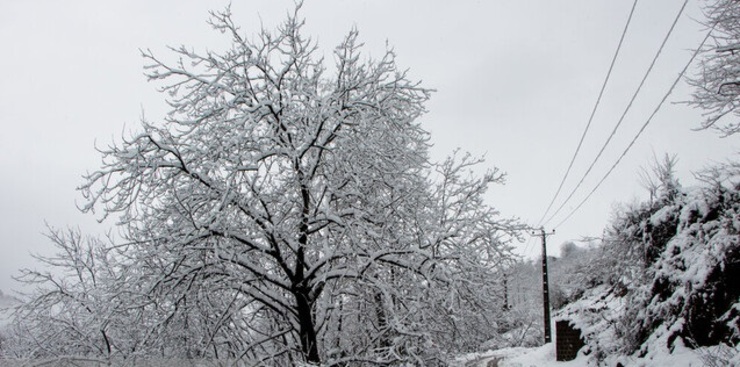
(668, 277)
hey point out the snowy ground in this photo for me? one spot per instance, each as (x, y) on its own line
(544, 356)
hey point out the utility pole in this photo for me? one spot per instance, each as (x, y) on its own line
(506, 294)
(545, 284)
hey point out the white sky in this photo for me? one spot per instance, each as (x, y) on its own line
(516, 81)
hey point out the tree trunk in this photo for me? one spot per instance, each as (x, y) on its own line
(307, 330)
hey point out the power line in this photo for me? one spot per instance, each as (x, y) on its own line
(624, 153)
(593, 112)
(624, 113)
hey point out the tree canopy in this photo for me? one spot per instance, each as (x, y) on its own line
(284, 212)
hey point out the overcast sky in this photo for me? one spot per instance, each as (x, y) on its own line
(516, 81)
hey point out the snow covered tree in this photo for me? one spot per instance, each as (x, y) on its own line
(285, 213)
(78, 312)
(717, 85)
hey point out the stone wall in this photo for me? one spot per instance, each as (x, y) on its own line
(567, 341)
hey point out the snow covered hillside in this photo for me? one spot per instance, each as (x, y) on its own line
(661, 289)
(667, 278)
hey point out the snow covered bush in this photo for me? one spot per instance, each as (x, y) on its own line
(693, 258)
(675, 261)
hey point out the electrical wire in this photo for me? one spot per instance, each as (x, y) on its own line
(593, 112)
(624, 113)
(624, 153)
